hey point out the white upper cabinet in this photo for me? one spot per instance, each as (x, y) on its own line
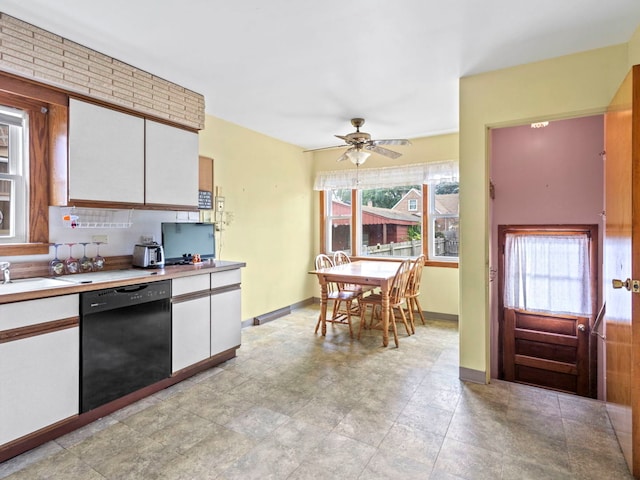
(171, 165)
(119, 158)
(106, 154)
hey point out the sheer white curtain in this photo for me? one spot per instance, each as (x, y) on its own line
(547, 273)
(387, 177)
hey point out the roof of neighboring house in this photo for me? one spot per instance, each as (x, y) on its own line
(447, 203)
(413, 193)
(374, 215)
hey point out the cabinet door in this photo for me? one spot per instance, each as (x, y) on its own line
(225, 320)
(190, 332)
(106, 154)
(171, 167)
(39, 382)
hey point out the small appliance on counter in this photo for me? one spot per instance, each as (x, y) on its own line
(148, 255)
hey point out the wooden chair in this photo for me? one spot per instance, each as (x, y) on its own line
(397, 296)
(340, 258)
(413, 290)
(343, 300)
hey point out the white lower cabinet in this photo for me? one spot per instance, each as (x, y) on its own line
(190, 332)
(206, 317)
(225, 320)
(39, 365)
(190, 319)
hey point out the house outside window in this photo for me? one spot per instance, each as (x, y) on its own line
(338, 220)
(376, 213)
(387, 230)
(444, 220)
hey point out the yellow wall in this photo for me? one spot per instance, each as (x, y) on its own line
(563, 87)
(439, 289)
(634, 49)
(267, 185)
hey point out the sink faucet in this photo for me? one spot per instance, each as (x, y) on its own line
(6, 274)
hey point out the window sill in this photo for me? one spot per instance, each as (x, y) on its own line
(435, 263)
(16, 249)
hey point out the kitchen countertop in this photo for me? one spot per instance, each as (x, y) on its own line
(84, 282)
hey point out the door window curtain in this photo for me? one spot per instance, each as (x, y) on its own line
(548, 273)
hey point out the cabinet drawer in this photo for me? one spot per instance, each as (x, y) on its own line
(228, 277)
(196, 283)
(32, 312)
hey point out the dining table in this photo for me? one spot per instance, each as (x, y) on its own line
(374, 273)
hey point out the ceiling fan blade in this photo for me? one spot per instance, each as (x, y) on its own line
(391, 141)
(323, 148)
(344, 155)
(383, 151)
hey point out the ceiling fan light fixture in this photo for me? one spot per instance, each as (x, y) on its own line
(358, 157)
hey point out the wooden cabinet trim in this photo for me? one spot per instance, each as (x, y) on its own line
(225, 288)
(20, 333)
(186, 297)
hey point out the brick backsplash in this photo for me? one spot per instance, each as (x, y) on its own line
(29, 51)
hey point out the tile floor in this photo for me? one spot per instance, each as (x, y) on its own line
(293, 406)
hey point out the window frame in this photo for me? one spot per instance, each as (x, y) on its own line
(412, 202)
(17, 174)
(355, 235)
(47, 108)
(430, 218)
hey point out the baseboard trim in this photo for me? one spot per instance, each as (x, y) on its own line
(449, 317)
(281, 312)
(269, 317)
(473, 376)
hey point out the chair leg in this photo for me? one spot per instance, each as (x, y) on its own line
(349, 318)
(418, 307)
(362, 319)
(394, 328)
(410, 312)
(404, 321)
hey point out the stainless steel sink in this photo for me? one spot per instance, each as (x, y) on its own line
(29, 284)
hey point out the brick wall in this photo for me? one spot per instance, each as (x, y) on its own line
(34, 53)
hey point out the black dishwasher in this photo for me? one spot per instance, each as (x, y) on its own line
(125, 341)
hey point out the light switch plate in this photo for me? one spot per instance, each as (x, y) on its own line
(100, 238)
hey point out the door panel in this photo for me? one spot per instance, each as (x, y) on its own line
(547, 350)
(620, 197)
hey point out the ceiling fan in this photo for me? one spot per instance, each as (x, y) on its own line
(361, 145)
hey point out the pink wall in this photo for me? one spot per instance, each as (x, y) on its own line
(548, 175)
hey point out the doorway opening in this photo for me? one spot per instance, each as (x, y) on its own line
(548, 290)
(546, 177)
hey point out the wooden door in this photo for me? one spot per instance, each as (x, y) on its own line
(622, 239)
(550, 350)
(547, 350)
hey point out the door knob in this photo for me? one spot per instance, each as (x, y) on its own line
(619, 283)
(581, 327)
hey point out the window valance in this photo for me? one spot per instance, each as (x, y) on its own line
(385, 177)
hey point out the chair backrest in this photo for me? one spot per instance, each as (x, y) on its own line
(341, 257)
(399, 283)
(323, 261)
(415, 276)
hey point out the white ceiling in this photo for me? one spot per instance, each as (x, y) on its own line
(298, 70)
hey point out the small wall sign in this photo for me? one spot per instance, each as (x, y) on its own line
(205, 200)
